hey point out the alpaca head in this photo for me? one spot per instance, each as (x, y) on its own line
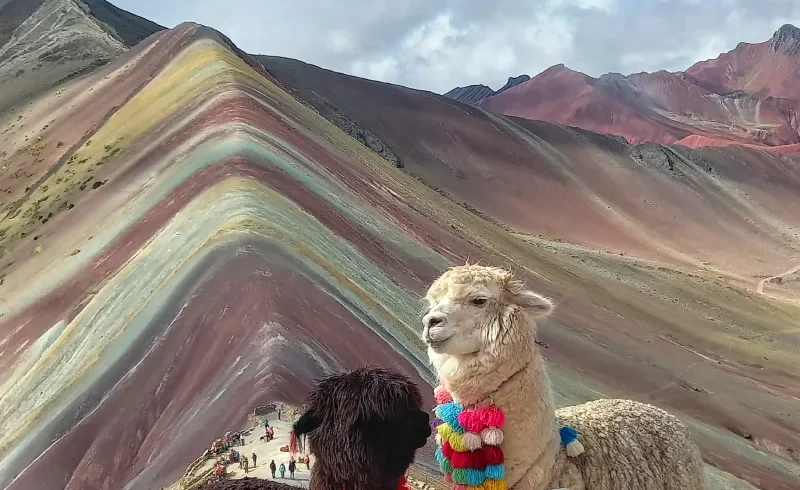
(364, 428)
(476, 310)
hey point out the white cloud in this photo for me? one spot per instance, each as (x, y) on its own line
(448, 43)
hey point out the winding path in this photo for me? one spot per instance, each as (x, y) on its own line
(761, 283)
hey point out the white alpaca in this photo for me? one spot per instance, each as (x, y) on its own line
(480, 332)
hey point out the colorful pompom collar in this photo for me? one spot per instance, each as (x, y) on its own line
(468, 443)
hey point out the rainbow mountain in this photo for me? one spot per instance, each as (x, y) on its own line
(189, 231)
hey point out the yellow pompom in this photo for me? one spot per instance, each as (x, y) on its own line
(457, 442)
(494, 485)
(445, 430)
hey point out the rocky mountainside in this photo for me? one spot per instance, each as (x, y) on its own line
(749, 96)
(188, 232)
(471, 94)
(45, 42)
(475, 94)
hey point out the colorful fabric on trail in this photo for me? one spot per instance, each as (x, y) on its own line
(468, 444)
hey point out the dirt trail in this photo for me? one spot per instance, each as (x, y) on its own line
(761, 283)
(268, 451)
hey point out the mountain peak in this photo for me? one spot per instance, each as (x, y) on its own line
(786, 40)
(471, 94)
(513, 82)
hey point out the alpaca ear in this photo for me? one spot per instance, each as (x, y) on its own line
(307, 423)
(534, 303)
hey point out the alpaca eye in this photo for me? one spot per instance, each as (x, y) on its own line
(479, 301)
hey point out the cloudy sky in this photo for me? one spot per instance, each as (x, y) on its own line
(437, 45)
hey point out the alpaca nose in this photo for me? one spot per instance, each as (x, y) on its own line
(434, 320)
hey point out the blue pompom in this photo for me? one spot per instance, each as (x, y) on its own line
(495, 471)
(449, 413)
(439, 454)
(475, 477)
(568, 434)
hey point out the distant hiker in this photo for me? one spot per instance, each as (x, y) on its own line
(282, 469)
(254, 460)
(279, 414)
(272, 468)
(271, 433)
(308, 462)
(246, 464)
(292, 467)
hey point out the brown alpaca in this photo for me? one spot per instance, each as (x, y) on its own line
(364, 428)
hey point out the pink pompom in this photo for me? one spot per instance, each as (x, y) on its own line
(472, 420)
(494, 417)
(441, 395)
(459, 487)
(448, 478)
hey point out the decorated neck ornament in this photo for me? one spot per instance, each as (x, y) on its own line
(468, 443)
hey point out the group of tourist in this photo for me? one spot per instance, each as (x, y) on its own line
(292, 467)
(223, 448)
(244, 463)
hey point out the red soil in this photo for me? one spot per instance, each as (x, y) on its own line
(750, 95)
(696, 141)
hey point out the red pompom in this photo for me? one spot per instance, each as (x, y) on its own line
(493, 455)
(479, 459)
(461, 459)
(494, 417)
(472, 420)
(441, 395)
(447, 450)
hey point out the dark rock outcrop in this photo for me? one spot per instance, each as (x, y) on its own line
(330, 112)
(246, 484)
(471, 94)
(130, 28)
(513, 82)
(786, 40)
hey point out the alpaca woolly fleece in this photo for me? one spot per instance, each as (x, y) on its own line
(364, 428)
(481, 332)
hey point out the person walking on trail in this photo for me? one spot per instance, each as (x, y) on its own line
(282, 469)
(246, 464)
(308, 462)
(254, 460)
(292, 467)
(279, 414)
(272, 468)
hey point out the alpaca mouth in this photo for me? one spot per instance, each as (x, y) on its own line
(435, 344)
